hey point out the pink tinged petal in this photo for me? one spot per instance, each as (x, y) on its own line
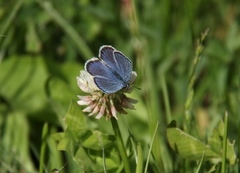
(91, 114)
(102, 109)
(90, 108)
(87, 98)
(81, 102)
(87, 109)
(84, 97)
(99, 116)
(101, 112)
(113, 109)
(114, 112)
(95, 110)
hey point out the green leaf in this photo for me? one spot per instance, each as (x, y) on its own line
(62, 87)
(188, 146)
(58, 136)
(15, 143)
(83, 159)
(22, 81)
(75, 120)
(97, 140)
(89, 149)
(59, 95)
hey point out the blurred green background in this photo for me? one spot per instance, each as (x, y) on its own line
(45, 43)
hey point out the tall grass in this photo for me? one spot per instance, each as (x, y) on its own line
(188, 79)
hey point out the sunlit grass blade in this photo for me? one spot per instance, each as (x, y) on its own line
(224, 153)
(11, 17)
(139, 159)
(6, 25)
(166, 98)
(43, 147)
(103, 155)
(200, 164)
(150, 149)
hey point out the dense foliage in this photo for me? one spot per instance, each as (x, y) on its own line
(186, 55)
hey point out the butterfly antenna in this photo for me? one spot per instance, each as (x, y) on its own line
(137, 87)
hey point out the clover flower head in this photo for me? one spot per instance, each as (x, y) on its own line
(100, 104)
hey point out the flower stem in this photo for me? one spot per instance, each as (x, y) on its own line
(120, 145)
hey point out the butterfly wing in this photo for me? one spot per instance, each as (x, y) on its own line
(119, 63)
(108, 86)
(125, 65)
(106, 54)
(95, 67)
(103, 77)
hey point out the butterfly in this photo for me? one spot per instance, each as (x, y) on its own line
(112, 71)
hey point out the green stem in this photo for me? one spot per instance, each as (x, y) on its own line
(224, 156)
(120, 145)
(139, 159)
(190, 91)
(43, 147)
(166, 98)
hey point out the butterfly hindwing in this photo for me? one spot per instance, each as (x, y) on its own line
(103, 76)
(108, 86)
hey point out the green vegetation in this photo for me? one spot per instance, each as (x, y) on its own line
(186, 55)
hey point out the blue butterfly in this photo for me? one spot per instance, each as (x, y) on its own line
(112, 71)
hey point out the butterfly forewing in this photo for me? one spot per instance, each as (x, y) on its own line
(117, 62)
(107, 55)
(125, 66)
(95, 67)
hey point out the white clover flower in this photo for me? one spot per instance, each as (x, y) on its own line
(100, 104)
